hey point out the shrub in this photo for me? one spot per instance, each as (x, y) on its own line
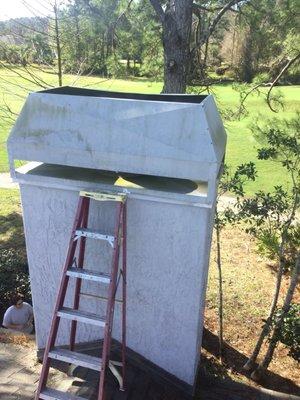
(221, 70)
(14, 277)
(115, 68)
(261, 78)
(289, 334)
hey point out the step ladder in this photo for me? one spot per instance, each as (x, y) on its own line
(74, 268)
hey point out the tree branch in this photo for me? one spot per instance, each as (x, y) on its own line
(198, 7)
(15, 71)
(269, 85)
(92, 8)
(272, 84)
(123, 13)
(215, 22)
(114, 24)
(158, 9)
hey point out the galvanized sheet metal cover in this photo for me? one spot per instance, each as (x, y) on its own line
(172, 135)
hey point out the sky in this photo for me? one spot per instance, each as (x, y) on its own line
(23, 8)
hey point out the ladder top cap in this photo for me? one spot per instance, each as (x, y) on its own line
(105, 196)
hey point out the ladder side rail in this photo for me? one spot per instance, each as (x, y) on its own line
(124, 291)
(59, 301)
(86, 202)
(111, 303)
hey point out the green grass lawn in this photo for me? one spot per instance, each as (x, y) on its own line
(11, 225)
(241, 144)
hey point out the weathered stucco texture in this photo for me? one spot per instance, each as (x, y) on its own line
(168, 247)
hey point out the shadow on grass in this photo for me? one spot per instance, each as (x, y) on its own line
(12, 233)
(212, 373)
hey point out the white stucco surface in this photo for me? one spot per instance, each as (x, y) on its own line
(167, 268)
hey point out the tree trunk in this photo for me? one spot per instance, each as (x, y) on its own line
(219, 264)
(177, 25)
(58, 46)
(176, 42)
(78, 46)
(257, 374)
(128, 66)
(247, 58)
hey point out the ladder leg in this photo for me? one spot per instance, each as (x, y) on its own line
(124, 294)
(86, 205)
(59, 301)
(110, 305)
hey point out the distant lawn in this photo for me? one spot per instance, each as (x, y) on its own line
(241, 144)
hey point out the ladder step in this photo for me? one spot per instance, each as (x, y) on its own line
(105, 196)
(53, 394)
(89, 233)
(81, 316)
(88, 275)
(82, 360)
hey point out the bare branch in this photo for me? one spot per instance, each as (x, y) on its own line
(46, 68)
(15, 93)
(198, 7)
(38, 14)
(215, 22)
(8, 108)
(80, 72)
(31, 28)
(158, 9)
(9, 68)
(272, 84)
(123, 13)
(97, 83)
(92, 8)
(6, 112)
(114, 24)
(242, 108)
(38, 80)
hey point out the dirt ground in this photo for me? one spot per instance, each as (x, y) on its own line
(248, 284)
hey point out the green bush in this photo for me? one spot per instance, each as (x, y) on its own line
(261, 78)
(14, 277)
(115, 68)
(289, 334)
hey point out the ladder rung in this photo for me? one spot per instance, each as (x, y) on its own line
(94, 235)
(105, 196)
(53, 394)
(81, 316)
(83, 360)
(88, 275)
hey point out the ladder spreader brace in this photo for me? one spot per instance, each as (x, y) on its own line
(79, 234)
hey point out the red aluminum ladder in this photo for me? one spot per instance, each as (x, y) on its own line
(80, 233)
